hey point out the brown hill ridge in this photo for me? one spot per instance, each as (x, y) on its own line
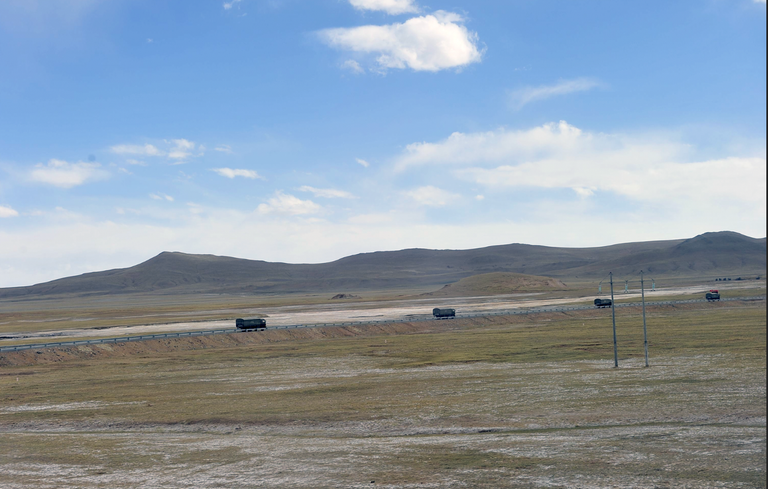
(498, 283)
(713, 254)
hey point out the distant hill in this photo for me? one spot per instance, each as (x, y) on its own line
(714, 254)
(498, 283)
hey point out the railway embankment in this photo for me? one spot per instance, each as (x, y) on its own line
(164, 346)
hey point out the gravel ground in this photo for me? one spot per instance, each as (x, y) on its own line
(361, 419)
(541, 425)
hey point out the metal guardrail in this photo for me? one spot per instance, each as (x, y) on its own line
(538, 310)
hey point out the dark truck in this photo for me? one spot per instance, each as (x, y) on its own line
(250, 324)
(443, 313)
(603, 302)
(713, 295)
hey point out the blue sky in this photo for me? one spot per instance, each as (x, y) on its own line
(308, 130)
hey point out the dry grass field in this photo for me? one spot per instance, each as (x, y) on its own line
(517, 401)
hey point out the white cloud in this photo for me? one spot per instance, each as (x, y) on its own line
(161, 197)
(136, 149)
(131, 161)
(59, 173)
(223, 148)
(195, 208)
(560, 156)
(363, 162)
(287, 205)
(353, 66)
(428, 43)
(230, 4)
(327, 193)
(584, 192)
(232, 173)
(175, 149)
(6, 211)
(493, 146)
(60, 214)
(430, 196)
(392, 7)
(523, 96)
(181, 150)
(653, 181)
(373, 219)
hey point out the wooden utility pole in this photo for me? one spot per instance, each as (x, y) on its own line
(613, 314)
(645, 330)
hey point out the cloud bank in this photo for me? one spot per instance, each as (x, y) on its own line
(62, 174)
(561, 156)
(6, 211)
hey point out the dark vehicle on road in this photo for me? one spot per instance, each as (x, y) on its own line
(443, 313)
(603, 302)
(250, 324)
(713, 295)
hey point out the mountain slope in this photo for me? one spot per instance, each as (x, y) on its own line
(722, 253)
(497, 283)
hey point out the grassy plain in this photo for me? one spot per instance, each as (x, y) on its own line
(517, 401)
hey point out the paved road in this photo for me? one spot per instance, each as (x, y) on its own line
(538, 310)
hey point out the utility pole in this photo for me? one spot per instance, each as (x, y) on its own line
(613, 314)
(645, 330)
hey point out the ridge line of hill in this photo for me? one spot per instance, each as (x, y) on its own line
(716, 253)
